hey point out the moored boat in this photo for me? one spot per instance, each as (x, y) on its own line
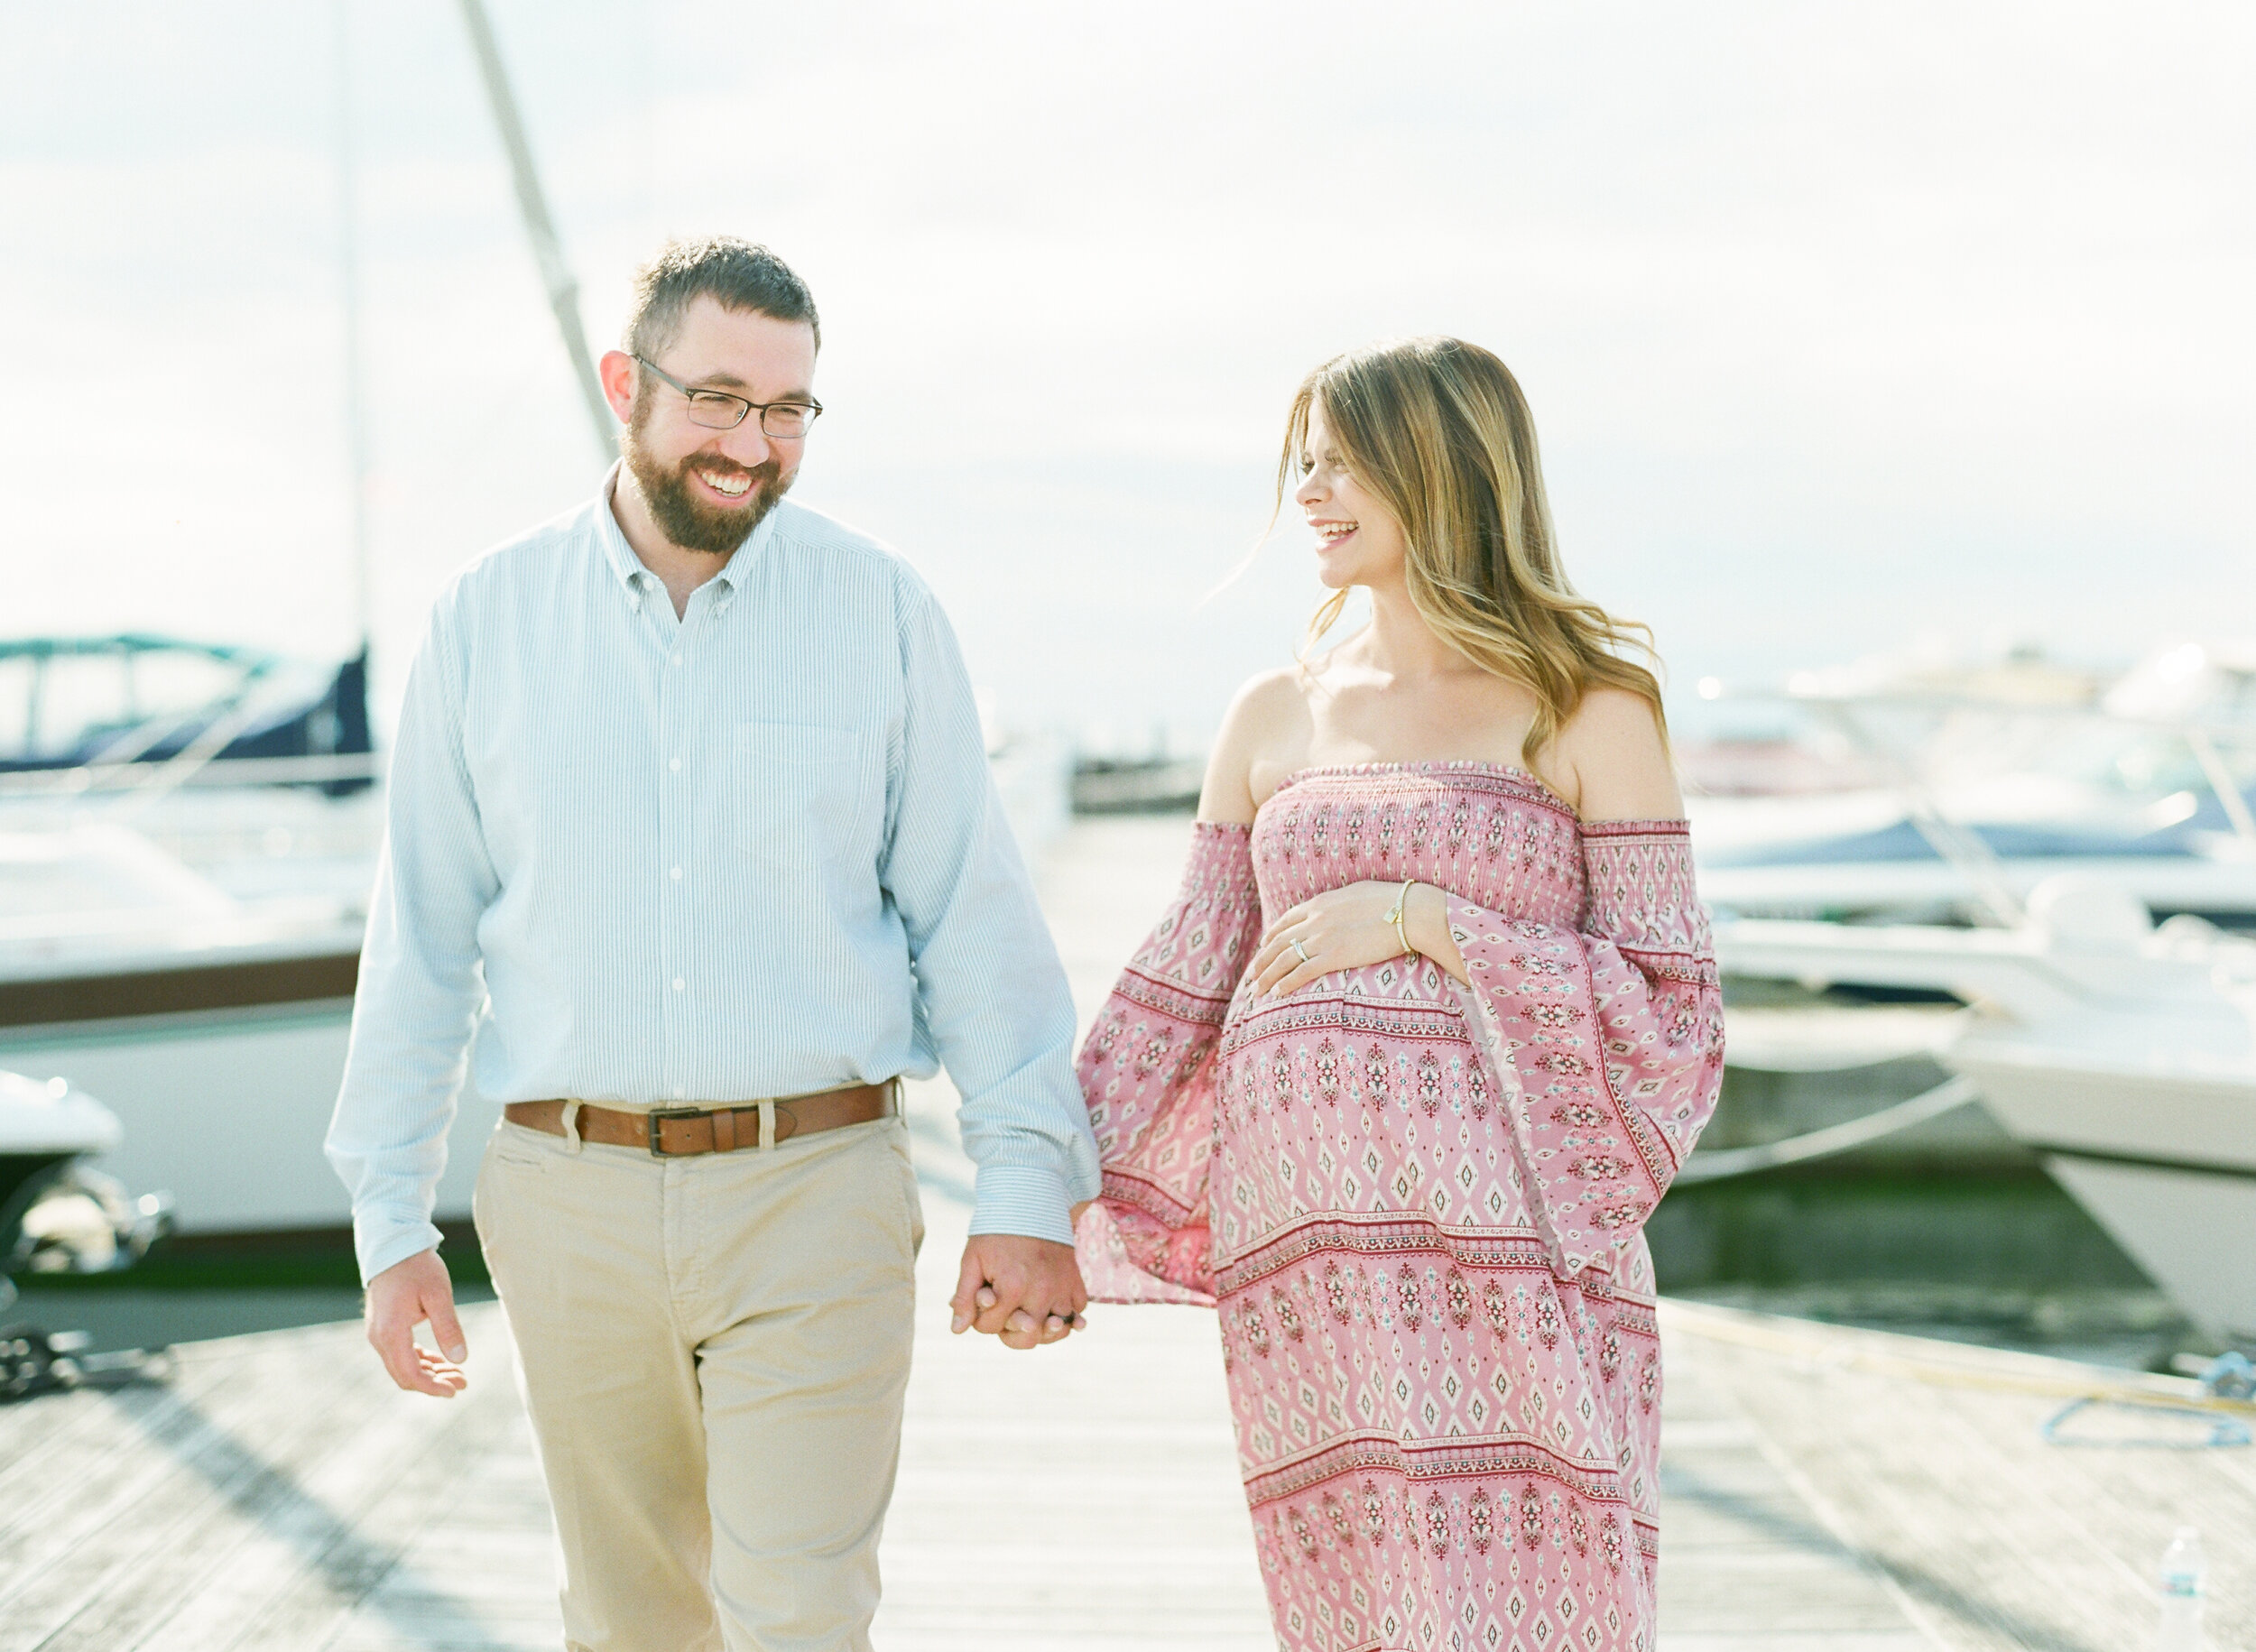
(59, 1216)
(212, 1027)
(2121, 1053)
(1884, 793)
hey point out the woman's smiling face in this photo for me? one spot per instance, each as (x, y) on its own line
(1357, 541)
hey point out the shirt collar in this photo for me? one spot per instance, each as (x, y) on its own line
(627, 567)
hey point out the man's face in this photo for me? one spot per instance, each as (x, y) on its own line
(707, 489)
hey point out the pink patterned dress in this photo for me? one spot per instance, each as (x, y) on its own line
(1418, 1205)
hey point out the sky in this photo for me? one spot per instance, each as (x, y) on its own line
(1848, 327)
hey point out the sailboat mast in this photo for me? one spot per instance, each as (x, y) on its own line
(348, 271)
(563, 290)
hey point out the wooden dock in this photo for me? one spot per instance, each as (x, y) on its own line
(278, 1496)
(1824, 1490)
(1927, 1462)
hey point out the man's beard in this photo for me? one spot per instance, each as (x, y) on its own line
(682, 515)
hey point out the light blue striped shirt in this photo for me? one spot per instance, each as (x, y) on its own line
(656, 862)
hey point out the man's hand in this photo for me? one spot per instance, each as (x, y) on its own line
(403, 1297)
(1025, 1291)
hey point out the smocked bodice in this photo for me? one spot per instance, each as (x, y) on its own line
(1491, 835)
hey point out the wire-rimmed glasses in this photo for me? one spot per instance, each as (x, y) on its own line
(717, 410)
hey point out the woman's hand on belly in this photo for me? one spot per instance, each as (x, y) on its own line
(1346, 929)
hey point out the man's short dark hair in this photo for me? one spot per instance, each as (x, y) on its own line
(735, 274)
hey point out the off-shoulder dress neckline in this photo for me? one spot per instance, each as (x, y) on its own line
(1442, 765)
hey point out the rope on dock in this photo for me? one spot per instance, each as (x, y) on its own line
(1948, 1096)
(1887, 1354)
(2225, 1432)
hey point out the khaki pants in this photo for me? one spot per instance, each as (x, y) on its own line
(714, 1351)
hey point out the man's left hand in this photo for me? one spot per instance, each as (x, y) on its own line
(1024, 1291)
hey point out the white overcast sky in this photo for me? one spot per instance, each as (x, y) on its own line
(1843, 324)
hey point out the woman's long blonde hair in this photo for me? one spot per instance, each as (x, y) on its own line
(1437, 429)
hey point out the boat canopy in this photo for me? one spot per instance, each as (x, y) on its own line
(138, 697)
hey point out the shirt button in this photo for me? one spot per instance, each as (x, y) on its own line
(675, 765)
(680, 983)
(677, 659)
(680, 1091)
(675, 874)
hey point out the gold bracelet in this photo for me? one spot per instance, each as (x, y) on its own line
(1402, 929)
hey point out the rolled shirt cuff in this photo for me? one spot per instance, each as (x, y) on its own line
(1026, 1200)
(383, 1239)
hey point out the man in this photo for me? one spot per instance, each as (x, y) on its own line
(690, 822)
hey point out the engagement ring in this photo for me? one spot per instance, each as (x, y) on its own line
(1303, 951)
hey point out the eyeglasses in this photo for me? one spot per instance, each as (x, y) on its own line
(717, 410)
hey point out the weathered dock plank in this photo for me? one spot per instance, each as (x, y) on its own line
(1082, 1495)
(262, 1479)
(1997, 1539)
(1746, 1560)
(343, 1545)
(150, 1501)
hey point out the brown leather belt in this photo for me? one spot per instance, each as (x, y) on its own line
(675, 1133)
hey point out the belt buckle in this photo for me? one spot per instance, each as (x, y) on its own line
(658, 1115)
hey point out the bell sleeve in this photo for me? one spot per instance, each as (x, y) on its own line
(1147, 1074)
(1609, 1040)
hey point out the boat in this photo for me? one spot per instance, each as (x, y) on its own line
(1883, 794)
(2121, 1052)
(58, 1215)
(100, 712)
(215, 1027)
(188, 841)
(1136, 785)
(1868, 858)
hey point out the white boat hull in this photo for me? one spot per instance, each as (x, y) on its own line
(226, 1110)
(2129, 1068)
(1927, 891)
(2116, 1112)
(2152, 1211)
(2165, 1161)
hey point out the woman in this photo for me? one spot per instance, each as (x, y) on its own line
(1398, 1079)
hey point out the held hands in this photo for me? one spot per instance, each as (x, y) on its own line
(403, 1297)
(1347, 928)
(1024, 1291)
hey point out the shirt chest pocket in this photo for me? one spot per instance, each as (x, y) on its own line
(805, 795)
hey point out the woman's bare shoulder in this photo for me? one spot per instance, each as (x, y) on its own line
(1266, 718)
(1617, 759)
